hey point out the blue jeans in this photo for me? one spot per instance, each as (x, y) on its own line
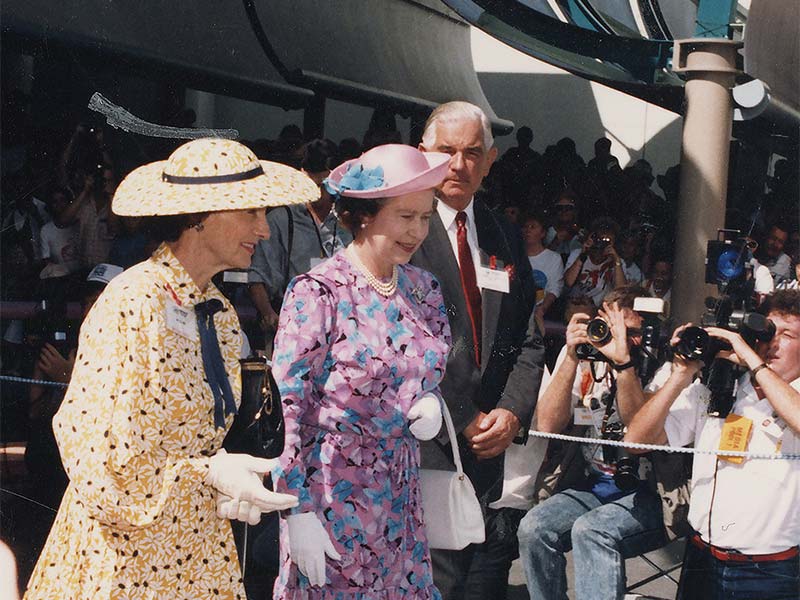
(601, 537)
(704, 577)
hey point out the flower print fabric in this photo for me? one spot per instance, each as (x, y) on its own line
(350, 364)
(134, 431)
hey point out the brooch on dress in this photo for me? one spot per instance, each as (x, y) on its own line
(418, 293)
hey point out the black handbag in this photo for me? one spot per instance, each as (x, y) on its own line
(258, 428)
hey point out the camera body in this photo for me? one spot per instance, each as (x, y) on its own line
(600, 242)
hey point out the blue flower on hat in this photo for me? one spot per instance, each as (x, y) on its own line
(356, 178)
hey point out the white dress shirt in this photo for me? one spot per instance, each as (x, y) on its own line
(448, 217)
(751, 507)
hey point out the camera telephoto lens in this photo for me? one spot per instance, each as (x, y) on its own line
(692, 343)
(598, 331)
(627, 476)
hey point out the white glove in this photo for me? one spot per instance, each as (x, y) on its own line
(308, 545)
(237, 510)
(426, 414)
(240, 476)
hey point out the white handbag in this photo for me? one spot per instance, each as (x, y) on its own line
(452, 513)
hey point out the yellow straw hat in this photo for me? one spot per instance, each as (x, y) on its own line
(208, 175)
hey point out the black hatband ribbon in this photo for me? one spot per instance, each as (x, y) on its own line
(212, 179)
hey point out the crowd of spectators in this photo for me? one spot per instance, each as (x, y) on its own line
(589, 228)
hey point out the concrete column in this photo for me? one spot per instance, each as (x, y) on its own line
(710, 68)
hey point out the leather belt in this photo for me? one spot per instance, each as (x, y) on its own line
(734, 556)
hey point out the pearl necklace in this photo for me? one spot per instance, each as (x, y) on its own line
(384, 288)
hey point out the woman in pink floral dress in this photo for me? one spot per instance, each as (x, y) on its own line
(360, 351)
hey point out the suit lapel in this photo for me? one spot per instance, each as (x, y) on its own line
(436, 255)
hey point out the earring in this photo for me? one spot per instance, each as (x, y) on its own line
(199, 227)
(363, 226)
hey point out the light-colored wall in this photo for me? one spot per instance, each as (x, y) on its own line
(552, 102)
(556, 104)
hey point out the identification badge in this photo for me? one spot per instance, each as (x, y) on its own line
(735, 436)
(314, 261)
(583, 416)
(493, 279)
(181, 320)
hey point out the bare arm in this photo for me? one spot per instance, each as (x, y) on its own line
(571, 274)
(555, 402)
(647, 424)
(258, 293)
(782, 396)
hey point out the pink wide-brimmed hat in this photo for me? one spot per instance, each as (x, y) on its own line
(388, 171)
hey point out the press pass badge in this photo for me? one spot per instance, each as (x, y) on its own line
(583, 416)
(735, 436)
(181, 320)
(493, 279)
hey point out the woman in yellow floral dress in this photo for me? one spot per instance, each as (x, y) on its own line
(155, 387)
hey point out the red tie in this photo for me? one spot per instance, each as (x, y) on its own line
(469, 283)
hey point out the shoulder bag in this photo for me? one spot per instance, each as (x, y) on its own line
(452, 513)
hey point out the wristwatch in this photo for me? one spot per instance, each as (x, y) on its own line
(623, 366)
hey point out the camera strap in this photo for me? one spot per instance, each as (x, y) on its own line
(612, 395)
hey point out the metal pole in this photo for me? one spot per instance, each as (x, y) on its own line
(710, 68)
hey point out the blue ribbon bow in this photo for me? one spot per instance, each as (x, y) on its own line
(356, 178)
(212, 361)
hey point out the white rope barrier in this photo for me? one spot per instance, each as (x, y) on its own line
(649, 447)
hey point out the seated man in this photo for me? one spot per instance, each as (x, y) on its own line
(590, 515)
(744, 511)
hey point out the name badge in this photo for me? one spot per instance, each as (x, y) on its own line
(181, 320)
(493, 279)
(583, 416)
(735, 436)
(314, 261)
(773, 426)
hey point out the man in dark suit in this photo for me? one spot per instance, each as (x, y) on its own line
(495, 367)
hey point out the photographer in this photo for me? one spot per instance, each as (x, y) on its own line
(744, 511)
(596, 268)
(588, 512)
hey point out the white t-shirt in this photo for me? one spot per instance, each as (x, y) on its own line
(780, 268)
(59, 245)
(548, 273)
(756, 504)
(594, 281)
(633, 274)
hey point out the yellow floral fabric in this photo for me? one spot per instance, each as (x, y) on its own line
(135, 431)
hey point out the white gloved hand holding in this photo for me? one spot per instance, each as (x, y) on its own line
(308, 545)
(240, 476)
(426, 417)
(237, 510)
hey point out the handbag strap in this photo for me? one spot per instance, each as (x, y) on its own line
(451, 432)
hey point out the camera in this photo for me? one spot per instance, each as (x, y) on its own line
(599, 332)
(728, 266)
(600, 243)
(626, 474)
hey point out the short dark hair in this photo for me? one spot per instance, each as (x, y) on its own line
(353, 211)
(319, 155)
(783, 302)
(533, 215)
(625, 295)
(607, 224)
(168, 228)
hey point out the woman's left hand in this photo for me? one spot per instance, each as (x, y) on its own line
(237, 510)
(426, 417)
